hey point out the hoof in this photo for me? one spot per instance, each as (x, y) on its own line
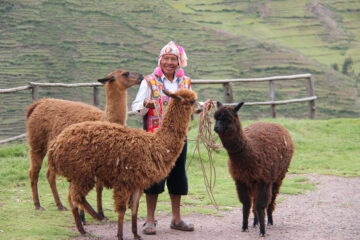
(39, 208)
(85, 234)
(245, 230)
(138, 237)
(62, 208)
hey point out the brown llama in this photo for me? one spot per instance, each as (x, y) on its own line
(124, 159)
(259, 157)
(46, 118)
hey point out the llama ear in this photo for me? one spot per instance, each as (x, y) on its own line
(238, 106)
(107, 79)
(172, 95)
(218, 104)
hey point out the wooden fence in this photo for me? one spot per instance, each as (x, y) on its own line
(227, 87)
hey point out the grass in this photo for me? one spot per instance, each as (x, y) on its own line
(322, 146)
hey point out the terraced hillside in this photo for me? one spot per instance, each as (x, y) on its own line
(80, 41)
(326, 31)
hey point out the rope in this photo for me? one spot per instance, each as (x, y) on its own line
(206, 138)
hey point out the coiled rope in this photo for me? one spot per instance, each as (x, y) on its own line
(207, 139)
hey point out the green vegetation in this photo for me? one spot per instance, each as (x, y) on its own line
(76, 41)
(322, 146)
(323, 31)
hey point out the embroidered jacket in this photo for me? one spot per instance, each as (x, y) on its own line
(156, 84)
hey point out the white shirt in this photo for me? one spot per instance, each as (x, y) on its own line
(145, 93)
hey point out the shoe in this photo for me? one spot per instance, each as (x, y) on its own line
(182, 226)
(149, 228)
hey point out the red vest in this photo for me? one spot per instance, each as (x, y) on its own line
(154, 116)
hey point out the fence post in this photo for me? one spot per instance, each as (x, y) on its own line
(34, 93)
(228, 97)
(272, 98)
(311, 92)
(96, 96)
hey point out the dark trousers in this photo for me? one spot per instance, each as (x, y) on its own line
(176, 182)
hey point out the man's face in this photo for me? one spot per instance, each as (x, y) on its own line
(169, 64)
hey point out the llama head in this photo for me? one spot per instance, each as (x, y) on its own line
(226, 118)
(184, 97)
(121, 79)
(177, 115)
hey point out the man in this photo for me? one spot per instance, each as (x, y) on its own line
(151, 103)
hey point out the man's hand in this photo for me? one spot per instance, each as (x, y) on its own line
(149, 103)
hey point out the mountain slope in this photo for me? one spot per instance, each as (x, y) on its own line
(327, 31)
(80, 41)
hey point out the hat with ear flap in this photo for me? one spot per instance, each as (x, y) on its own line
(173, 49)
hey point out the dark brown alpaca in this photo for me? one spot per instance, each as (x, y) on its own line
(124, 159)
(259, 157)
(46, 118)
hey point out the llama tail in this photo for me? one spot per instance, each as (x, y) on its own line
(31, 108)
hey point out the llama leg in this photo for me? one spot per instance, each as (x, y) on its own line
(121, 214)
(51, 177)
(80, 188)
(271, 207)
(99, 189)
(135, 199)
(75, 211)
(88, 208)
(121, 196)
(82, 216)
(244, 197)
(256, 221)
(36, 159)
(261, 203)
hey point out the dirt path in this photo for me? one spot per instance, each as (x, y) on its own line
(330, 212)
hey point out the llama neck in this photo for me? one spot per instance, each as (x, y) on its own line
(234, 141)
(173, 130)
(116, 105)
